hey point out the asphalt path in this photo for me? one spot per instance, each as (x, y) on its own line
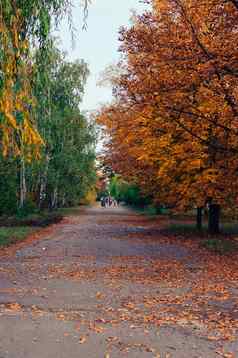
(107, 283)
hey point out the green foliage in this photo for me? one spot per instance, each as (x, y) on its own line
(126, 192)
(115, 187)
(41, 89)
(8, 186)
(67, 166)
(38, 16)
(220, 246)
(29, 208)
(184, 229)
(65, 171)
(24, 25)
(11, 235)
(102, 194)
(151, 210)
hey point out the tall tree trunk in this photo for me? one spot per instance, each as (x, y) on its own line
(23, 189)
(199, 218)
(54, 198)
(214, 219)
(63, 200)
(43, 182)
(41, 192)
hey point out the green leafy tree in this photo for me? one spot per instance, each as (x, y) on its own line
(23, 25)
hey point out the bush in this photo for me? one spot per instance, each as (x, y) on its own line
(29, 208)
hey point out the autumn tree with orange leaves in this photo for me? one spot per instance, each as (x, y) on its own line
(173, 125)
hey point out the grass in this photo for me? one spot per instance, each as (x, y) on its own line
(220, 246)
(181, 228)
(185, 229)
(16, 228)
(69, 211)
(41, 219)
(224, 243)
(12, 235)
(150, 210)
(230, 228)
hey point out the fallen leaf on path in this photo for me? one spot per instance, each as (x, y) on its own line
(229, 355)
(112, 339)
(213, 338)
(101, 320)
(97, 329)
(148, 349)
(14, 307)
(61, 316)
(99, 295)
(82, 340)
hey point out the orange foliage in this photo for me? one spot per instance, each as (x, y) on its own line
(173, 126)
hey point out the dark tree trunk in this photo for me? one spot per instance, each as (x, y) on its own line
(214, 219)
(235, 3)
(199, 218)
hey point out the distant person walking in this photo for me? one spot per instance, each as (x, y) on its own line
(102, 202)
(114, 202)
(108, 201)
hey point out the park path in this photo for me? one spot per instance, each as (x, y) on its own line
(109, 283)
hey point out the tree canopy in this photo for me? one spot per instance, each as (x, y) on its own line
(173, 125)
(62, 172)
(23, 24)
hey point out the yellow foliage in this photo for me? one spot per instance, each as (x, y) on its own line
(19, 136)
(90, 198)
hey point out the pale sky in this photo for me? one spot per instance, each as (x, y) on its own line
(98, 45)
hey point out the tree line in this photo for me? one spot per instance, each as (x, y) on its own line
(173, 122)
(47, 143)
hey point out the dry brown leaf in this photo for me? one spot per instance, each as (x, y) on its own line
(99, 295)
(228, 355)
(14, 307)
(213, 338)
(82, 340)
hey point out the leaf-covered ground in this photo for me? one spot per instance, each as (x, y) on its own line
(111, 283)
